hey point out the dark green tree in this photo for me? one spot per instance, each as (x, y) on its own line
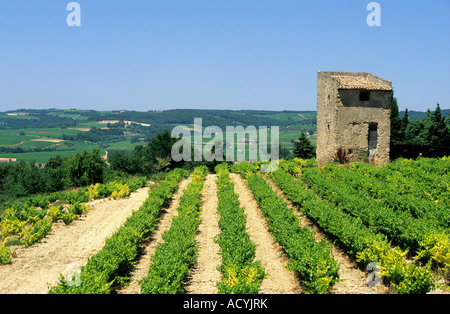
(437, 131)
(85, 169)
(415, 132)
(303, 147)
(55, 170)
(405, 122)
(123, 161)
(397, 136)
(405, 118)
(285, 153)
(156, 155)
(434, 130)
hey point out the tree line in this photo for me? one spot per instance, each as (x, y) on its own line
(81, 169)
(27, 178)
(433, 130)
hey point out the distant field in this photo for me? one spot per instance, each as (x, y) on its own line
(38, 135)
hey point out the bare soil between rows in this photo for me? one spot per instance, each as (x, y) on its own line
(36, 268)
(143, 264)
(280, 280)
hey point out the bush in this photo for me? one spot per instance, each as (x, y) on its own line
(67, 217)
(35, 232)
(5, 253)
(436, 247)
(120, 191)
(11, 227)
(54, 213)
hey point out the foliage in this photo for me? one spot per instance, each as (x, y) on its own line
(121, 191)
(85, 169)
(296, 165)
(312, 260)
(24, 179)
(245, 168)
(437, 130)
(389, 196)
(151, 158)
(397, 124)
(303, 148)
(172, 259)
(433, 130)
(36, 231)
(31, 220)
(357, 239)
(96, 135)
(36, 119)
(437, 248)
(240, 274)
(68, 216)
(5, 253)
(54, 213)
(10, 224)
(400, 226)
(108, 267)
(29, 224)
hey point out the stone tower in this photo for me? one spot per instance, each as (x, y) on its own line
(353, 117)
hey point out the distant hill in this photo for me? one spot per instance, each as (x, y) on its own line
(41, 134)
(51, 118)
(419, 115)
(71, 118)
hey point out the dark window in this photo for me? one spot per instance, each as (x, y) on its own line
(364, 96)
(373, 136)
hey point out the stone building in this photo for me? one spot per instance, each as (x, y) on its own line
(353, 117)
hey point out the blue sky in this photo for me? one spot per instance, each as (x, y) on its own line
(216, 54)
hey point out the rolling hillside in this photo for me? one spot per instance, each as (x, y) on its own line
(41, 134)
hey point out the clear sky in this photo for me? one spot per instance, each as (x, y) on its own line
(216, 54)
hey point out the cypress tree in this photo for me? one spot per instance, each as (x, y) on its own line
(303, 148)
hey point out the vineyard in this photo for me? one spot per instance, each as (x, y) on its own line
(352, 228)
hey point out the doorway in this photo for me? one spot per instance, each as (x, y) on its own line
(373, 140)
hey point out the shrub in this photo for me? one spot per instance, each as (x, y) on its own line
(54, 213)
(67, 216)
(437, 248)
(5, 253)
(121, 191)
(36, 231)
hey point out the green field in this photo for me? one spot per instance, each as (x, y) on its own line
(38, 135)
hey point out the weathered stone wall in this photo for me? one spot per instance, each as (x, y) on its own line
(327, 102)
(353, 131)
(378, 99)
(343, 122)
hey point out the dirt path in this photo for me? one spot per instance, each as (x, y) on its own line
(354, 280)
(205, 276)
(142, 266)
(35, 268)
(269, 252)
